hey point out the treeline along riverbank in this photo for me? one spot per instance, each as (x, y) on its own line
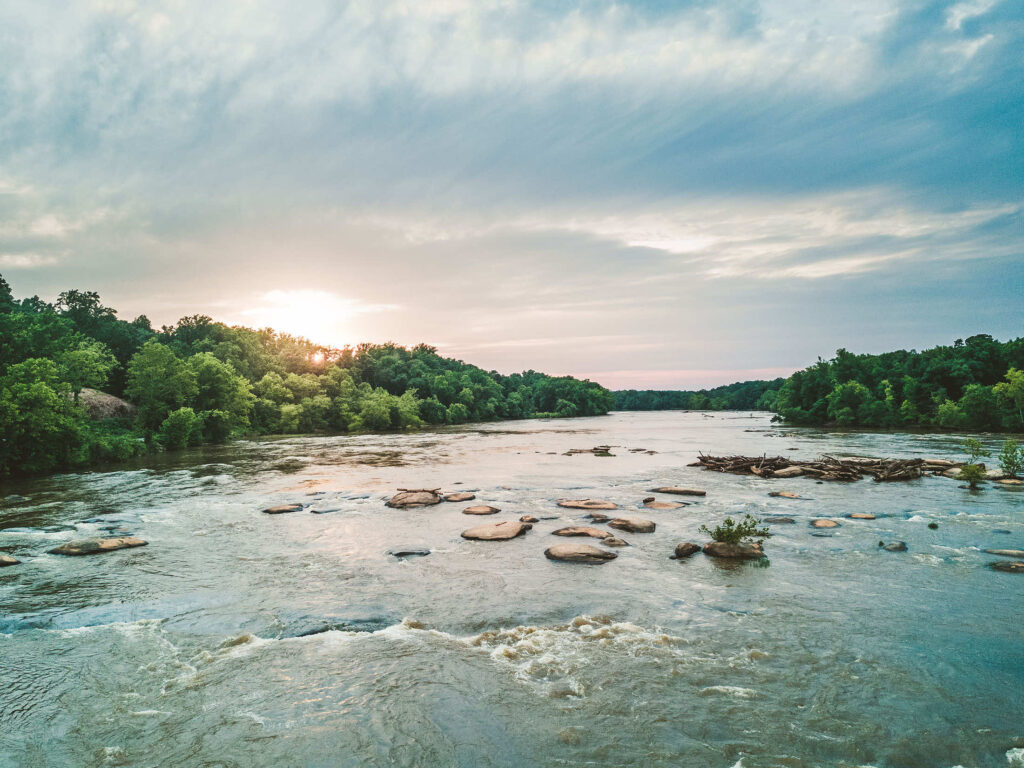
(201, 381)
(975, 384)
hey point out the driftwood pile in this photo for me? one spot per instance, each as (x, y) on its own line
(824, 467)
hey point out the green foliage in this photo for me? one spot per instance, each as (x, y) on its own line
(741, 396)
(203, 381)
(972, 472)
(1011, 392)
(158, 383)
(1011, 458)
(181, 427)
(731, 532)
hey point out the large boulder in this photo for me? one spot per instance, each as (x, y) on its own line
(686, 549)
(579, 553)
(503, 531)
(1018, 553)
(679, 491)
(652, 503)
(583, 530)
(282, 509)
(96, 546)
(632, 524)
(481, 509)
(745, 550)
(586, 504)
(6, 560)
(1008, 566)
(420, 497)
(99, 405)
(459, 496)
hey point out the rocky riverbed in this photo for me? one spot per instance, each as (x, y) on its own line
(338, 630)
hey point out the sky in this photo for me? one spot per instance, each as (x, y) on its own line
(648, 194)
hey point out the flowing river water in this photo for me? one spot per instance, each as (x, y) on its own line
(243, 639)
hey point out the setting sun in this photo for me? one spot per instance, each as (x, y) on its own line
(320, 316)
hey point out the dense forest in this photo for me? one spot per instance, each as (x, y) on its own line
(741, 396)
(203, 382)
(977, 383)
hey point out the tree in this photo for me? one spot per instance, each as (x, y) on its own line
(87, 365)
(219, 388)
(1011, 391)
(1011, 458)
(180, 428)
(158, 383)
(973, 472)
(731, 532)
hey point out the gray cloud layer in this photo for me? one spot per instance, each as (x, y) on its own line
(636, 191)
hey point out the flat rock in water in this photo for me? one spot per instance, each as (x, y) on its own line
(652, 504)
(282, 509)
(529, 519)
(579, 553)
(788, 472)
(746, 550)
(1010, 481)
(632, 524)
(586, 504)
(597, 517)
(582, 530)
(895, 546)
(1008, 566)
(503, 531)
(460, 496)
(408, 552)
(1018, 553)
(481, 509)
(779, 520)
(6, 560)
(861, 516)
(686, 549)
(614, 541)
(95, 546)
(415, 498)
(784, 495)
(679, 491)
(822, 522)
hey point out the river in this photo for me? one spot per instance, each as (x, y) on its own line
(242, 639)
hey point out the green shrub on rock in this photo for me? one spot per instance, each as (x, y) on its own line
(731, 532)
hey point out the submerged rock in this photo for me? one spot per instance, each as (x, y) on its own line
(1018, 553)
(6, 560)
(586, 504)
(282, 509)
(861, 516)
(529, 519)
(686, 549)
(895, 546)
(95, 546)
(632, 524)
(503, 531)
(679, 491)
(579, 553)
(747, 550)
(824, 522)
(15, 498)
(460, 496)
(1008, 566)
(420, 497)
(784, 495)
(597, 517)
(779, 520)
(481, 509)
(324, 511)
(408, 552)
(583, 530)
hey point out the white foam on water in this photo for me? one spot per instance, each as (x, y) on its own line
(729, 690)
(1015, 757)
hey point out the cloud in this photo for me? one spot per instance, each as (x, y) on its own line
(685, 186)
